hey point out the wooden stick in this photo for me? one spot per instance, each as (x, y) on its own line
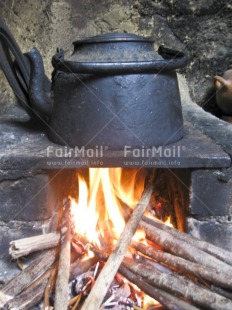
(183, 249)
(221, 291)
(213, 275)
(224, 255)
(77, 303)
(166, 299)
(22, 247)
(49, 287)
(31, 296)
(179, 286)
(26, 277)
(61, 291)
(79, 267)
(105, 278)
(74, 300)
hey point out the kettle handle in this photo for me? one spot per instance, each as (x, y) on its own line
(14, 65)
(22, 71)
(172, 59)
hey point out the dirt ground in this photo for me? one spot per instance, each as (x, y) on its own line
(202, 27)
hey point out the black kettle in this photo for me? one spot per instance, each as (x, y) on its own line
(114, 91)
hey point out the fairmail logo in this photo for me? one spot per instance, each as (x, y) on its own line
(160, 152)
(67, 152)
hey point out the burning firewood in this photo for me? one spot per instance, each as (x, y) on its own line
(179, 286)
(171, 302)
(85, 281)
(119, 298)
(187, 258)
(213, 275)
(79, 267)
(154, 283)
(207, 247)
(25, 246)
(183, 249)
(61, 290)
(166, 299)
(193, 273)
(107, 274)
(120, 295)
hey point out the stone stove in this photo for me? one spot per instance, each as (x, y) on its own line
(31, 168)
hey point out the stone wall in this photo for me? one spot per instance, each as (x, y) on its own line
(203, 27)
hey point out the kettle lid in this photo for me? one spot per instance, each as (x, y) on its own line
(113, 37)
(118, 53)
(114, 47)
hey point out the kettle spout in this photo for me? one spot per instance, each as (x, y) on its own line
(39, 85)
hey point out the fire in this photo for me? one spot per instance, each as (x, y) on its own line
(98, 210)
(105, 198)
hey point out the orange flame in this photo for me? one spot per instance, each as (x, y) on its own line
(98, 209)
(98, 212)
